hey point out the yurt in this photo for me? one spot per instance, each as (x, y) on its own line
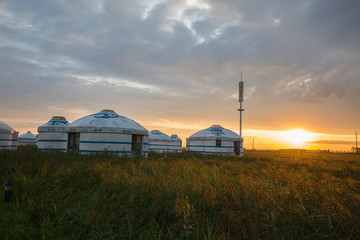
(158, 141)
(214, 140)
(27, 139)
(53, 135)
(107, 131)
(175, 143)
(8, 137)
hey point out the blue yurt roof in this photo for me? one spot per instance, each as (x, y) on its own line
(156, 134)
(175, 138)
(27, 135)
(56, 124)
(107, 121)
(4, 128)
(216, 132)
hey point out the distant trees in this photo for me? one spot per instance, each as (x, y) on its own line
(355, 150)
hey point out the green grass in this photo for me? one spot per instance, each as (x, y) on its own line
(264, 195)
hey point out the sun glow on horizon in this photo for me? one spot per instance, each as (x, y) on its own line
(298, 136)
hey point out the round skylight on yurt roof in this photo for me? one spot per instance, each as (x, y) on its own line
(156, 134)
(215, 131)
(107, 121)
(4, 128)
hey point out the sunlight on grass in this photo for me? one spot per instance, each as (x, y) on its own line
(264, 195)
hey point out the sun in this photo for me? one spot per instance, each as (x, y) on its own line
(298, 136)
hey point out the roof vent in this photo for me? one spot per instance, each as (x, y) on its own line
(57, 118)
(107, 111)
(216, 126)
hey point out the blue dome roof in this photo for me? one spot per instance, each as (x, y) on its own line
(216, 131)
(107, 121)
(27, 135)
(175, 138)
(56, 124)
(156, 134)
(4, 128)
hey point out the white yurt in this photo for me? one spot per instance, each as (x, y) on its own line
(214, 140)
(8, 137)
(27, 139)
(158, 141)
(53, 135)
(175, 143)
(107, 131)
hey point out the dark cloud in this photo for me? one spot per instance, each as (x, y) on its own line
(330, 142)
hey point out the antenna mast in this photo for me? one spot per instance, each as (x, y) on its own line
(241, 99)
(356, 149)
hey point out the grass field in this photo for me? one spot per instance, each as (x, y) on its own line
(264, 195)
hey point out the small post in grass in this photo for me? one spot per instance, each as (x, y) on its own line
(8, 191)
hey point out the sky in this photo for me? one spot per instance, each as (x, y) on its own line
(175, 65)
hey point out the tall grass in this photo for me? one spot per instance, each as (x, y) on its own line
(264, 195)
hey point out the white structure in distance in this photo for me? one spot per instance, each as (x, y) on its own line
(176, 143)
(8, 137)
(161, 142)
(27, 139)
(107, 131)
(53, 135)
(214, 140)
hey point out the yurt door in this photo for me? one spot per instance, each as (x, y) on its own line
(74, 141)
(136, 145)
(237, 148)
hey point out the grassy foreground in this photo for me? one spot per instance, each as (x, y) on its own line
(264, 195)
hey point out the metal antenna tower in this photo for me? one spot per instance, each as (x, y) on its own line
(241, 99)
(356, 149)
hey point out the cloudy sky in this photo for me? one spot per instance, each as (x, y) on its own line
(175, 65)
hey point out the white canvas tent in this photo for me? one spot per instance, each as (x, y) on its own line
(107, 131)
(53, 135)
(161, 142)
(8, 137)
(158, 141)
(27, 139)
(175, 143)
(214, 140)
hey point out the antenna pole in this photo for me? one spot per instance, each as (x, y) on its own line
(356, 149)
(241, 99)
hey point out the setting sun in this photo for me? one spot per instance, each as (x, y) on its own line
(298, 136)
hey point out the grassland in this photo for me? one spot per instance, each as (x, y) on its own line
(264, 195)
